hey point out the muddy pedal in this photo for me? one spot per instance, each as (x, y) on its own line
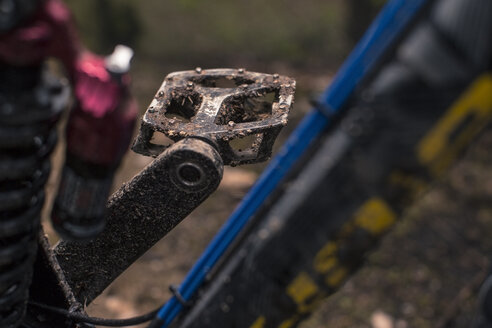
(240, 112)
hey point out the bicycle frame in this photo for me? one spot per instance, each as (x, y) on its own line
(68, 263)
(388, 27)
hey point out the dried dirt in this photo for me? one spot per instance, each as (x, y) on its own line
(425, 274)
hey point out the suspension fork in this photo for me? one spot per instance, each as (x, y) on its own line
(30, 104)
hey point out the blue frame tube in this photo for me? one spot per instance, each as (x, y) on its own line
(381, 35)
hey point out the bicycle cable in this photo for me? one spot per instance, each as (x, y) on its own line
(82, 318)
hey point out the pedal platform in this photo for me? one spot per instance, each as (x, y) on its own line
(240, 112)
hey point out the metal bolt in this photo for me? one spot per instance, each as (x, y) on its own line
(231, 124)
(240, 70)
(198, 70)
(42, 318)
(151, 109)
(7, 7)
(225, 308)
(354, 130)
(276, 76)
(38, 141)
(161, 93)
(189, 84)
(7, 109)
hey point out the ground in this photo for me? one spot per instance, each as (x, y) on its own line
(425, 273)
(427, 270)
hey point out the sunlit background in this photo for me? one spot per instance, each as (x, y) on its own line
(404, 284)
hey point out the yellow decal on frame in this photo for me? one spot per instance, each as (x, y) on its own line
(463, 121)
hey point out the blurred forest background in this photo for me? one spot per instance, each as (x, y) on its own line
(427, 269)
(309, 36)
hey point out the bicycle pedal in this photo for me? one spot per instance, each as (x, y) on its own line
(240, 112)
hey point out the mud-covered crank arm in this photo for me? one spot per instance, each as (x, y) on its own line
(198, 121)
